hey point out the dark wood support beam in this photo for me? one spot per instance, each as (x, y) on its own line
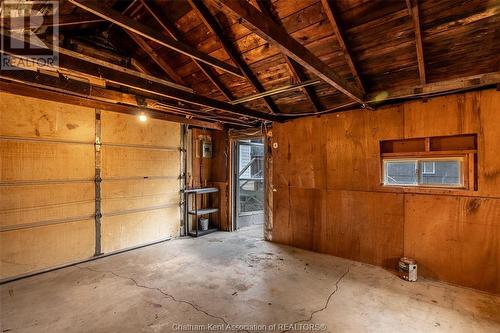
(131, 10)
(92, 68)
(143, 44)
(448, 86)
(330, 13)
(131, 25)
(415, 16)
(216, 29)
(37, 92)
(273, 33)
(172, 31)
(84, 89)
(295, 69)
(50, 21)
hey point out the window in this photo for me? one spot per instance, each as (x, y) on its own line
(448, 162)
(444, 172)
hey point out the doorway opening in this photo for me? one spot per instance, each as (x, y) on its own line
(248, 183)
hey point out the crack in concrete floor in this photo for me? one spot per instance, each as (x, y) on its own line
(137, 284)
(197, 308)
(327, 302)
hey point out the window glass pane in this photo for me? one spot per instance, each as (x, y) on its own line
(400, 172)
(445, 172)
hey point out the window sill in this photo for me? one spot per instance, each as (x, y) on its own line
(438, 190)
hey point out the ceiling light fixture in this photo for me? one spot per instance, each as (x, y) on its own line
(143, 117)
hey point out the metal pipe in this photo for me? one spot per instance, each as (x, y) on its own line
(271, 92)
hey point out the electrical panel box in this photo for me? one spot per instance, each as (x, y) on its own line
(206, 149)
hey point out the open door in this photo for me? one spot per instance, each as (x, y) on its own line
(248, 183)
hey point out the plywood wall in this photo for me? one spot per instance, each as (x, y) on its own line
(327, 194)
(47, 183)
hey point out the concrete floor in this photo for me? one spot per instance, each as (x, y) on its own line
(237, 278)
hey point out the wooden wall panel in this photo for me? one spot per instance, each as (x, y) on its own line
(353, 216)
(33, 249)
(354, 229)
(26, 160)
(488, 139)
(346, 152)
(281, 215)
(455, 239)
(122, 231)
(35, 118)
(447, 115)
(306, 212)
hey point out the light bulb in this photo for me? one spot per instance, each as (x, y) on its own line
(143, 117)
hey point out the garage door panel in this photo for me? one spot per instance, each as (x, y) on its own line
(139, 193)
(126, 129)
(33, 249)
(27, 160)
(31, 204)
(35, 118)
(138, 162)
(126, 230)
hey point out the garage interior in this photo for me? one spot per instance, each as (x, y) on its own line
(260, 165)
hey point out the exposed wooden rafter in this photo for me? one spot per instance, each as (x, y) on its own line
(49, 21)
(216, 29)
(295, 69)
(149, 33)
(273, 33)
(97, 69)
(153, 55)
(172, 31)
(415, 16)
(330, 13)
(143, 44)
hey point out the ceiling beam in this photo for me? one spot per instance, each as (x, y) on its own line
(127, 23)
(273, 33)
(172, 31)
(84, 89)
(36, 92)
(165, 67)
(330, 13)
(97, 69)
(415, 16)
(26, 22)
(295, 69)
(216, 29)
(448, 86)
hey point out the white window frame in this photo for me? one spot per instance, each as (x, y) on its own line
(427, 172)
(417, 161)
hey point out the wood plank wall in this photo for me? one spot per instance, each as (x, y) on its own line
(47, 188)
(328, 197)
